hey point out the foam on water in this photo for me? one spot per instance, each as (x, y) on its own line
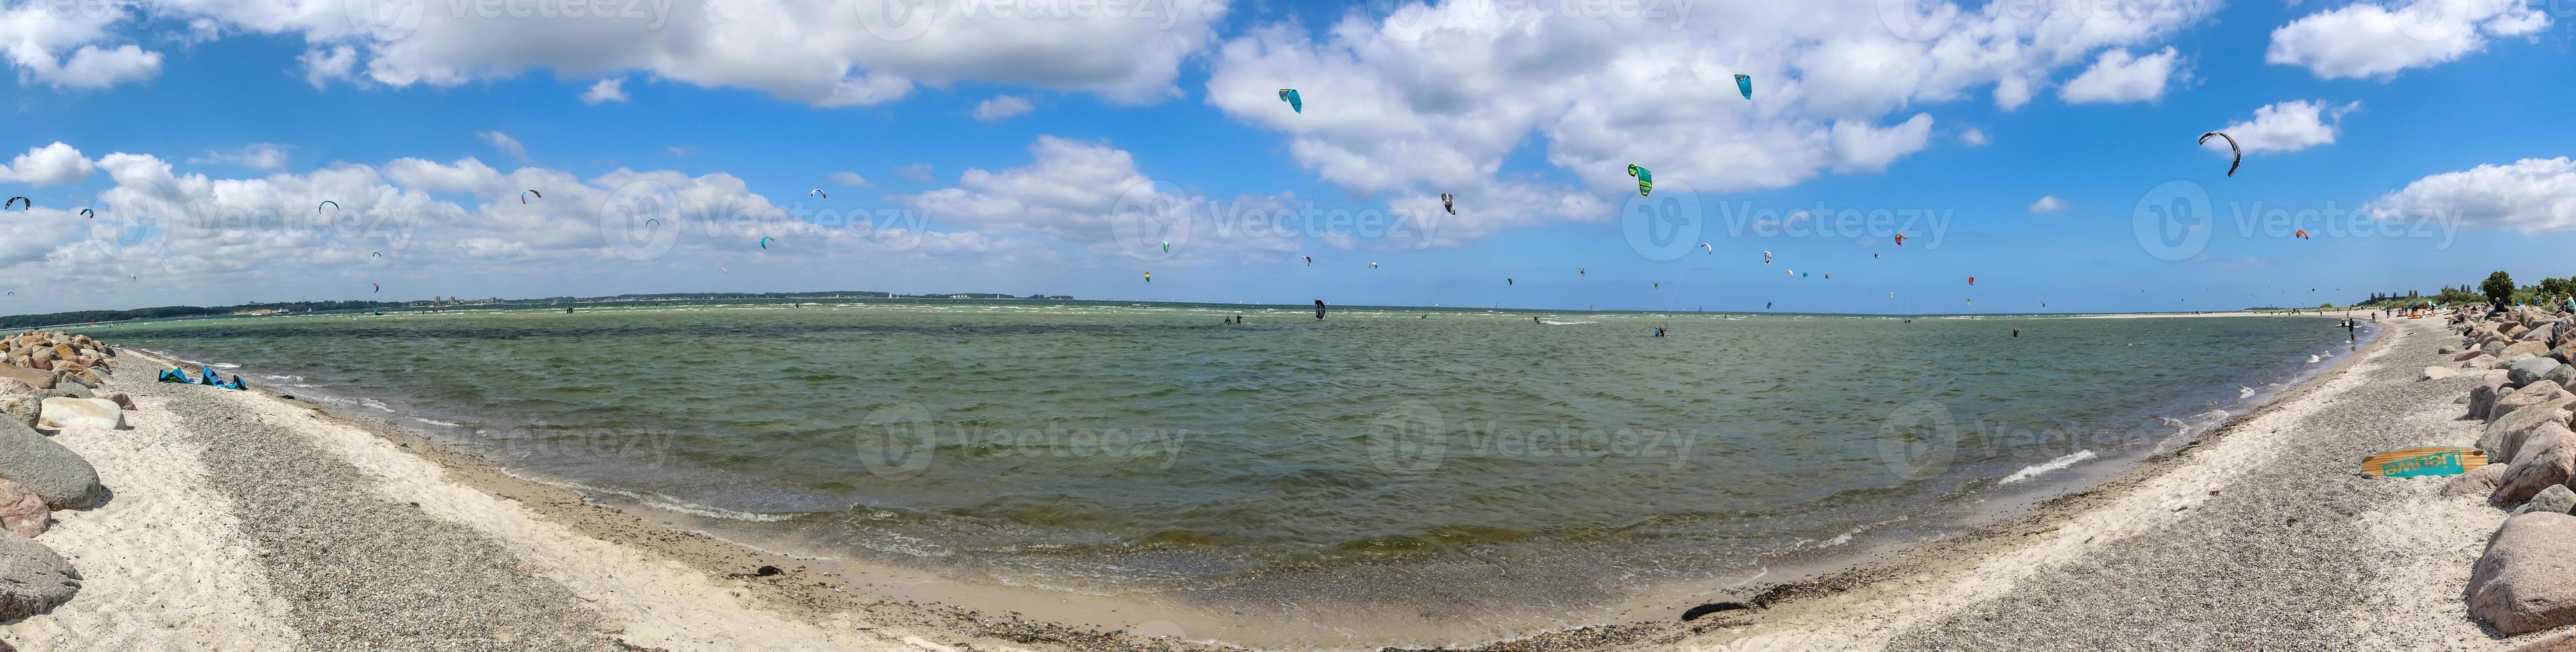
(2034, 470)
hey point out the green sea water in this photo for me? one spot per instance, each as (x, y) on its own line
(1122, 449)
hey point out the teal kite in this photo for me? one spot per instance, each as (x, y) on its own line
(1645, 180)
(1289, 95)
(1744, 83)
(764, 242)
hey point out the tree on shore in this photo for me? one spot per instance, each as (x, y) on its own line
(2498, 288)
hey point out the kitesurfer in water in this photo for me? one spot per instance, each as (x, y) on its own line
(2016, 332)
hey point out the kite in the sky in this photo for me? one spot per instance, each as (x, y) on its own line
(818, 192)
(1296, 103)
(25, 203)
(2231, 148)
(1645, 179)
(523, 197)
(89, 213)
(1449, 203)
(1744, 83)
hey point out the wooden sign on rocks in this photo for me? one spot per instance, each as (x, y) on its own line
(2423, 461)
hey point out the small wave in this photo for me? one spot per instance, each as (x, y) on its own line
(1552, 322)
(2243, 392)
(2034, 470)
(225, 365)
(2312, 359)
(435, 422)
(661, 502)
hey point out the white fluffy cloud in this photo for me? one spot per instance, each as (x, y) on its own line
(2120, 77)
(69, 45)
(2047, 204)
(1002, 107)
(2367, 39)
(2531, 196)
(850, 179)
(2285, 127)
(611, 89)
(850, 52)
(1432, 98)
(505, 143)
(257, 156)
(1094, 195)
(428, 218)
(53, 164)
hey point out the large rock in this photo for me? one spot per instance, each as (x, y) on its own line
(68, 412)
(2481, 362)
(59, 475)
(32, 578)
(33, 378)
(76, 391)
(2533, 394)
(2477, 482)
(2534, 439)
(2540, 468)
(2518, 419)
(2524, 348)
(2554, 499)
(2438, 373)
(2529, 370)
(2526, 581)
(23, 408)
(22, 512)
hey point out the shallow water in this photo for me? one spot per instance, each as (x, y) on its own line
(1460, 463)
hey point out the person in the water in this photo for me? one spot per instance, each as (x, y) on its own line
(1659, 331)
(2016, 332)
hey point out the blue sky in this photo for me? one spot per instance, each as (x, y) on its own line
(2450, 128)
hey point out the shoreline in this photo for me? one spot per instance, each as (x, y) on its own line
(806, 591)
(1964, 593)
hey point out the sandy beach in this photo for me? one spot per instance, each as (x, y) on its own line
(243, 520)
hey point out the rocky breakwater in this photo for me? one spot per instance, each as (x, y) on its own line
(49, 382)
(2523, 362)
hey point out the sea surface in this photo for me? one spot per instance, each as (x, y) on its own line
(1493, 471)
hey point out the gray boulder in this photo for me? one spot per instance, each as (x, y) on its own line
(2526, 580)
(2493, 440)
(2533, 394)
(59, 475)
(2564, 375)
(32, 578)
(2526, 370)
(2555, 500)
(2477, 482)
(25, 408)
(2538, 437)
(2540, 468)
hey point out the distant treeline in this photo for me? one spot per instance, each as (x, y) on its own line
(166, 312)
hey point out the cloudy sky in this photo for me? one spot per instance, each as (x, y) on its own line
(524, 148)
